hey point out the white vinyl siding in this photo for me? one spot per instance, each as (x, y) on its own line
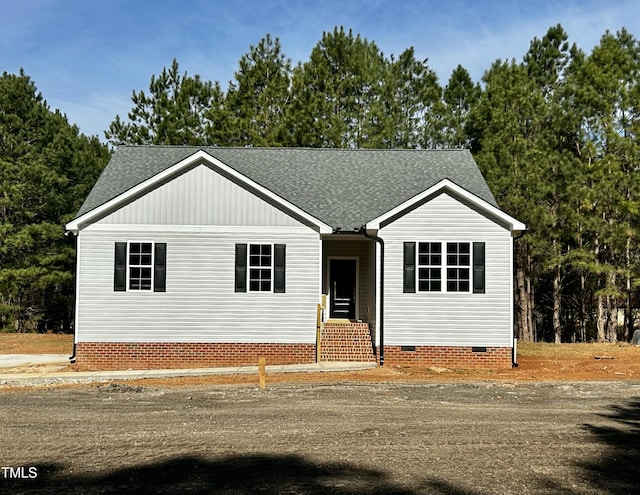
(448, 318)
(201, 216)
(200, 197)
(200, 304)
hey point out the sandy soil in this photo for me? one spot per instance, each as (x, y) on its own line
(565, 421)
(536, 362)
(322, 438)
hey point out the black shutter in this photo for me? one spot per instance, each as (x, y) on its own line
(160, 267)
(241, 268)
(409, 268)
(120, 267)
(478, 268)
(279, 268)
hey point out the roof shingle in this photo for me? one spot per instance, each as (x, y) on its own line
(344, 188)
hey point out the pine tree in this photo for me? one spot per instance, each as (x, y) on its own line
(500, 129)
(258, 98)
(409, 91)
(46, 170)
(608, 103)
(460, 95)
(336, 94)
(179, 109)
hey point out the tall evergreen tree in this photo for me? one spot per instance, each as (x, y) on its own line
(179, 109)
(46, 170)
(500, 129)
(336, 94)
(460, 95)
(257, 100)
(529, 152)
(410, 90)
(608, 103)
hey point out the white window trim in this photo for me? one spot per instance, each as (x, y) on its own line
(429, 267)
(443, 267)
(129, 266)
(271, 267)
(469, 267)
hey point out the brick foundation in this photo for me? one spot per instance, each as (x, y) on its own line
(346, 341)
(341, 342)
(449, 357)
(149, 355)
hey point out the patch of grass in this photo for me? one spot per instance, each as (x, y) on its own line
(35, 343)
(555, 351)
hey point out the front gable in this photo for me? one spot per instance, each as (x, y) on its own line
(201, 196)
(176, 190)
(456, 193)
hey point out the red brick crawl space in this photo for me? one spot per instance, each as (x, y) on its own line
(145, 355)
(341, 342)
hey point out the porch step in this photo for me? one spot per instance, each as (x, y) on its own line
(346, 341)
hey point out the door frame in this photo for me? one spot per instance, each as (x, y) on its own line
(328, 282)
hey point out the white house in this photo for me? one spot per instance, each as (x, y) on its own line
(193, 256)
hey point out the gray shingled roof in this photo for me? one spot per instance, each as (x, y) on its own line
(343, 188)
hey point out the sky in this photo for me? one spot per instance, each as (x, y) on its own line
(86, 57)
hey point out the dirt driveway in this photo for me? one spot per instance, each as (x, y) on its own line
(324, 438)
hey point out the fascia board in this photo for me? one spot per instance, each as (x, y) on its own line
(443, 186)
(148, 185)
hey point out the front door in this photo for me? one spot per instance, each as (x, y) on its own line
(342, 288)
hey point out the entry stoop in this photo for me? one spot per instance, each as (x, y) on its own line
(346, 341)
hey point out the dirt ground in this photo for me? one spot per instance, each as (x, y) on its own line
(323, 438)
(536, 362)
(565, 421)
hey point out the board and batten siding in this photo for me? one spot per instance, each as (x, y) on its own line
(200, 196)
(441, 318)
(200, 303)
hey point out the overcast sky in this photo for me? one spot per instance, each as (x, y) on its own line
(87, 56)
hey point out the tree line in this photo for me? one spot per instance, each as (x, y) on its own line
(555, 135)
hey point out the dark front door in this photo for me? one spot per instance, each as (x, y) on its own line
(342, 280)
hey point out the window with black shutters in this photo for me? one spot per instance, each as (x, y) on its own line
(140, 266)
(444, 267)
(260, 268)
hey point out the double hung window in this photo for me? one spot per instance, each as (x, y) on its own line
(444, 267)
(458, 264)
(140, 266)
(260, 268)
(429, 266)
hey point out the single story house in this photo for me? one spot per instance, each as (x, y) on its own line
(198, 256)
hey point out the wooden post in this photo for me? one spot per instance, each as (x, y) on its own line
(262, 372)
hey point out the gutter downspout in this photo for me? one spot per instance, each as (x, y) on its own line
(74, 237)
(364, 232)
(514, 351)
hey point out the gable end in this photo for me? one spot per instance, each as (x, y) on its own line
(457, 193)
(169, 175)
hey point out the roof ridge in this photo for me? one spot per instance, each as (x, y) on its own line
(286, 148)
